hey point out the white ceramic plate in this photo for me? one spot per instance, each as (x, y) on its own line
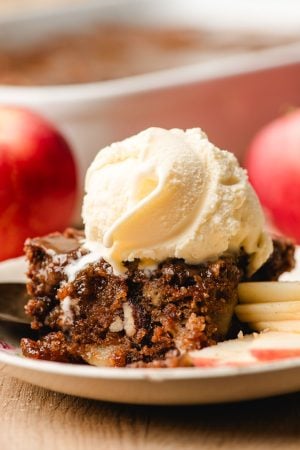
(146, 386)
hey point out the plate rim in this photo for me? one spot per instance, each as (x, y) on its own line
(151, 374)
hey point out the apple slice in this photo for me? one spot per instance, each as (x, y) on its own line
(277, 311)
(269, 291)
(96, 355)
(272, 346)
(290, 326)
(234, 352)
(248, 350)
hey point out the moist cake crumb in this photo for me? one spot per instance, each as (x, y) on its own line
(145, 319)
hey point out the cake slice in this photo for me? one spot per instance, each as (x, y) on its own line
(83, 312)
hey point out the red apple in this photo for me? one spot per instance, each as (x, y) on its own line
(273, 163)
(38, 181)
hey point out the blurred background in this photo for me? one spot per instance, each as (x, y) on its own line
(13, 6)
(100, 71)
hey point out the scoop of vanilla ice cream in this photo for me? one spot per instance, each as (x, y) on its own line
(171, 193)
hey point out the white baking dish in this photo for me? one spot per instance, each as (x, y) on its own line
(229, 97)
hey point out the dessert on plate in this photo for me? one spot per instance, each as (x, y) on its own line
(172, 227)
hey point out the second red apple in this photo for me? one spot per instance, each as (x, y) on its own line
(273, 163)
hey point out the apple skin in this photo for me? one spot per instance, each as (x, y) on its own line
(273, 354)
(38, 179)
(273, 163)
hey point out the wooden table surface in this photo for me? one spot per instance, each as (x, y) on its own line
(37, 419)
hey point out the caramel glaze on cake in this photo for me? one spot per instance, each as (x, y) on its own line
(146, 318)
